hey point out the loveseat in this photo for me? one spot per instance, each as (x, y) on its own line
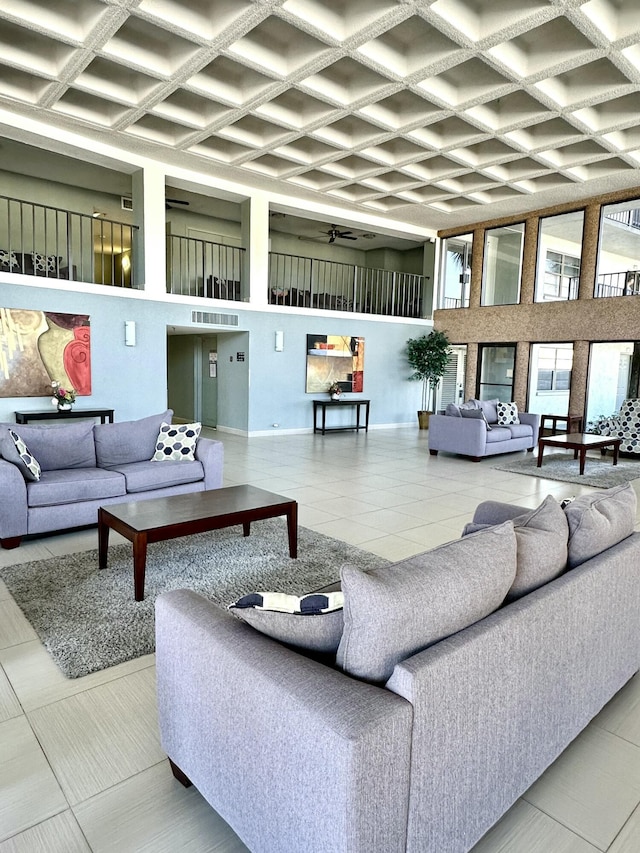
(473, 430)
(85, 466)
(459, 676)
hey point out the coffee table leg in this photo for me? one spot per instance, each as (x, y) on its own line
(540, 452)
(583, 454)
(246, 528)
(103, 540)
(139, 564)
(292, 529)
(616, 448)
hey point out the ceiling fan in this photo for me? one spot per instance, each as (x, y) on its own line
(334, 232)
(169, 202)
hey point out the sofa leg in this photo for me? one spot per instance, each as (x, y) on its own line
(433, 452)
(476, 458)
(180, 776)
(530, 449)
(11, 542)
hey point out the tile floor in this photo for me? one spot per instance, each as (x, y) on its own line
(81, 767)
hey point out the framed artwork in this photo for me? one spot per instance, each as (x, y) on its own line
(335, 358)
(38, 347)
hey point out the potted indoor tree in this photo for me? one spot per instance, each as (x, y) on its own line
(428, 357)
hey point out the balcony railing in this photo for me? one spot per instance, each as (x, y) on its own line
(312, 283)
(453, 302)
(37, 239)
(626, 283)
(203, 268)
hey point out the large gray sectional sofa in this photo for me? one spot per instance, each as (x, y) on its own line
(85, 466)
(456, 432)
(460, 675)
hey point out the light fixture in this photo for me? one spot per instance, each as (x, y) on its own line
(279, 341)
(126, 262)
(97, 213)
(130, 333)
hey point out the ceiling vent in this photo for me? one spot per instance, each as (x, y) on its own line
(207, 317)
(126, 203)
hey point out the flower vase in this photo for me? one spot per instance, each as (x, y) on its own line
(335, 396)
(64, 407)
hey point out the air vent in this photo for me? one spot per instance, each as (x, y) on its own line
(214, 319)
(126, 203)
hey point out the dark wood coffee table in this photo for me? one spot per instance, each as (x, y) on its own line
(579, 442)
(158, 519)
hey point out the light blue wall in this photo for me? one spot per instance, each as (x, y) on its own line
(267, 387)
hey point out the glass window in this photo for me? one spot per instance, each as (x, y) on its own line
(502, 265)
(497, 362)
(456, 271)
(550, 378)
(619, 250)
(559, 251)
(614, 368)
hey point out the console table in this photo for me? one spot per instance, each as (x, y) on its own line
(105, 415)
(323, 405)
(574, 423)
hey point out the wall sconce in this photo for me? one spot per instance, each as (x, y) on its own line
(279, 341)
(130, 333)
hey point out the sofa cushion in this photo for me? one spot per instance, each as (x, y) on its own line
(599, 521)
(14, 449)
(520, 430)
(66, 446)
(392, 612)
(71, 485)
(489, 407)
(176, 442)
(475, 414)
(140, 476)
(128, 441)
(507, 413)
(542, 536)
(452, 410)
(313, 622)
(498, 433)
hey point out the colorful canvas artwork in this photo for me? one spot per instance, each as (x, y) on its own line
(38, 347)
(335, 358)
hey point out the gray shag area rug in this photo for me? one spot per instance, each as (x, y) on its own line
(598, 470)
(88, 619)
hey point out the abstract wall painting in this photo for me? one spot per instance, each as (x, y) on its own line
(38, 347)
(335, 358)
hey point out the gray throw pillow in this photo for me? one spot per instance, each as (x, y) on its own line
(599, 521)
(13, 449)
(128, 441)
(489, 407)
(313, 622)
(69, 445)
(452, 410)
(475, 414)
(392, 612)
(542, 537)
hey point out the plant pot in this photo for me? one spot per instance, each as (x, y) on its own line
(64, 407)
(335, 396)
(423, 419)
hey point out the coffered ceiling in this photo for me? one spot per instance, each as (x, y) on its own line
(432, 112)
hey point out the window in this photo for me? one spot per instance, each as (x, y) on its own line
(497, 363)
(456, 271)
(554, 368)
(619, 250)
(502, 265)
(559, 251)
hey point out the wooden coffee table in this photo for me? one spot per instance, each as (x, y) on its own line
(158, 519)
(579, 442)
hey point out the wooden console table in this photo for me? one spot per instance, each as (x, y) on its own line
(105, 415)
(323, 405)
(574, 423)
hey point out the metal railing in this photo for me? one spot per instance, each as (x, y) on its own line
(40, 240)
(452, 302)
(625, 283)
(631, 218)
(204, 268)
(313, 283)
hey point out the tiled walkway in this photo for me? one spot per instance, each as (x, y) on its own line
(81, 766)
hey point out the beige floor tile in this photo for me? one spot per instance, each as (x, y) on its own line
(99, 737)
(430, 512)
(29, 792)
(348, 531)
(387, 520)
(628, 839)
(279, 485)
(14, 627)
(622, 714)
(153, 813)
(340, 505)
(524, 829)
(27, 552)
(392, 548)
(37, 681)
(305, 494)
(592, 788)
(308, 516)
(4, 592)
(59, 834)
(430, 535)
(9, 705)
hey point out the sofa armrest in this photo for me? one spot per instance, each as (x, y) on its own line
(277, 743)
(211, 454)
(13, 501)
(495, 512)
(457, 435)
(533, 421)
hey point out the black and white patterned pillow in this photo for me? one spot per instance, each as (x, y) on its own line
(313, 622)
(176, 442)
(8, 260)
(507, 413)
(14, 449)
(44, 263)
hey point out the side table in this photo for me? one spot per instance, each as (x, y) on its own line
(574, 423)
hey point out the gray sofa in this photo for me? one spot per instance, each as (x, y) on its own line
(85, 466)
(454, 432)
(440, 707)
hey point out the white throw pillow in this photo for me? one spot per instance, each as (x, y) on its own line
(507, 413)
(176, 442)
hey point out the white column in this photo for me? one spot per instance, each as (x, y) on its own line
(149, 214)
(255, 239)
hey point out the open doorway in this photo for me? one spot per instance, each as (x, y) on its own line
(192, 378)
